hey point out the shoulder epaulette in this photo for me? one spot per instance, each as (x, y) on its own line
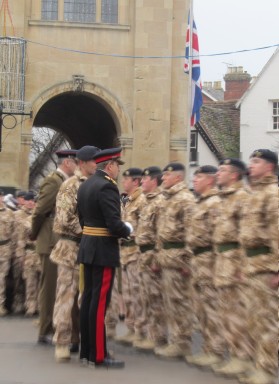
(111, 180)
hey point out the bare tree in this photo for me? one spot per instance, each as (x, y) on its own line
(45, 142)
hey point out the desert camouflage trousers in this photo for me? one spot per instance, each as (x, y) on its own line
(131, 297)
(205, 298)
(153, 308)
(19, 286)
(232, 304)
(32, 280)
(263, 322)
(5, 263)
(66, 314)
(176, 291)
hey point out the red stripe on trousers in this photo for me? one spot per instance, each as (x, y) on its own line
(100, 321)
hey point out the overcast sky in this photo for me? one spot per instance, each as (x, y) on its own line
(225, 26)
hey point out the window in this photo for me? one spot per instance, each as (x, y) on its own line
(49, 9)
(275, 115)
(194, 147)
(110, 11)
(81, 11)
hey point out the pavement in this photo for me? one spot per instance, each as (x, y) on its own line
(23, 361)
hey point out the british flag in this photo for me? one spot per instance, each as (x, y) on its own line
(192, 60)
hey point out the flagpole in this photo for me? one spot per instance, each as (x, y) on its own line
(188, 141)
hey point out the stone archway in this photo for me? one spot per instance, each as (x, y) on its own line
(85, 113)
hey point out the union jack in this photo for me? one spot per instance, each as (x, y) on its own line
(192, 60)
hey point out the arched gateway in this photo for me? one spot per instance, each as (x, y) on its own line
(85, 113)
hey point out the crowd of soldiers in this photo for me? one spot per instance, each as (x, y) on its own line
(204, 260)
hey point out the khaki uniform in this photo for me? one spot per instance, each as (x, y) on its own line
(150, 282)
(259, 237)
(64, 254)
(6, 249)
(41, 230)
(229, 264)
(199, 236)
(129, 260)
(174, 258)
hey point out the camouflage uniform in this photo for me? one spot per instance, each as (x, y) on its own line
(64, 254)
(259, 237)
(174, 259)
(199, 236)
(17, 261)
(150, 282)
(129, 261)
(6, 250)
(30, 262)
(229, 264)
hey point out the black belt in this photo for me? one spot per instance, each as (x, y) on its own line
(72, 238)
(173, 245)
(128, 243)
(30, 246)
(199, 250)
(146, 247)
(263, 250)
(4, 242)
(227, 246)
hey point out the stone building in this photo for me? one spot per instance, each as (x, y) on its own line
(101, 72)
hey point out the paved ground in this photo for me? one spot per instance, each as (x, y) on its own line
(22, 361)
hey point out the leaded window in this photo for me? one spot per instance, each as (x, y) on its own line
(110, 11)
(81, 11)
(49, 9)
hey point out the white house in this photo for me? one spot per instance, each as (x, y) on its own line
(259, 111)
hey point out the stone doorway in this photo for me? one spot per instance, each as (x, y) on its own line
(83, 118)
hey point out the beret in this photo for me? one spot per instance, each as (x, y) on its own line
(266, 154)
(29, 196)
(133, 172)
(234, 162)
(208, 169)
(174, 167)
(20, 193)
(87, 153)
(152, 171)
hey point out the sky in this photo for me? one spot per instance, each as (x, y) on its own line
(229, 26)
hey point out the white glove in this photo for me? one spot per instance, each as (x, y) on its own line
(129, 225)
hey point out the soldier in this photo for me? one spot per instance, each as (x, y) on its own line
(64, 254)
(199, 235)
(99, 213)
(31, 261)
(150, 273)
(129, 258)
(42, 231)
(18, 258)
(229, 266)
(259, 237)
(6, 249)
(174, 258)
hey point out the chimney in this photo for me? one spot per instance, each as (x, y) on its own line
(236, 83)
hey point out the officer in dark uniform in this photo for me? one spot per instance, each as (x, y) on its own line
(99, 213)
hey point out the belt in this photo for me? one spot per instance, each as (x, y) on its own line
(146, 247)
(200, 250)
(4, 242)
(128, 243)
(30, 246)
(95, 231)
(227, 246)
(173, 245)
(251, 252)
(72, 238)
